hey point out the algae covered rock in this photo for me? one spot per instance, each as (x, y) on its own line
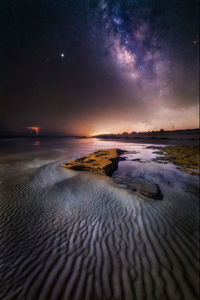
(103, 162)
(186, 157)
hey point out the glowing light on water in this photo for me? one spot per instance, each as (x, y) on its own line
(36, 143)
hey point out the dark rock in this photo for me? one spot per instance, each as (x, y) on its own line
(141, 186)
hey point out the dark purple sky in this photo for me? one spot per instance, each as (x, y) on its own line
(87, 67)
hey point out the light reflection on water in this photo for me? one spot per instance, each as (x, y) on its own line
(26, 150)
(36, 143)
(26, 155)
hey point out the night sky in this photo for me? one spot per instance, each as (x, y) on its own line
(89, 67)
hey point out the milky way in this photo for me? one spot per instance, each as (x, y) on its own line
(86, 67)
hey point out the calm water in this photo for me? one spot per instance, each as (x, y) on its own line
(21, 157)
(24, 155)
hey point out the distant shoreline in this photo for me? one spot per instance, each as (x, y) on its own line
(172, 142)
(175, 137)
(162, 134)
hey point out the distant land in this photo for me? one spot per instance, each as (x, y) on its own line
(189, 135)
(138, 135)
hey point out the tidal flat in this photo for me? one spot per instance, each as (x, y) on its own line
(68, 234)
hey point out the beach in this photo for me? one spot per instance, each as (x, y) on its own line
(67, 234)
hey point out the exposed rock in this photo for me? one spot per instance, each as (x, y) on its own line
(189, 171)
(186, 157)
(158, 152)
(150, 190)
(103, 162)
(153, 147)
(160, 160)
(142, 187)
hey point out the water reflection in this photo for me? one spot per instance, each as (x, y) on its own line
(36, 143)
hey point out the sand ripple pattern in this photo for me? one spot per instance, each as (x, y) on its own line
(82, 237)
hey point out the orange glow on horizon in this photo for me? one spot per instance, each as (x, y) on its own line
(34, 129)
(140, 130)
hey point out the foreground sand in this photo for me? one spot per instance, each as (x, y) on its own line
(69, 235)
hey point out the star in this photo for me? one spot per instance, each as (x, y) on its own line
(62, 55)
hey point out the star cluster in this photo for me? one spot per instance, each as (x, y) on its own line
(148, 37)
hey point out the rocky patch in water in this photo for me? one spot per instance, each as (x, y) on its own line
(185, 157)
(103, 162)
(140, 186)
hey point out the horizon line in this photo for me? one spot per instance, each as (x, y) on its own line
(88, 136)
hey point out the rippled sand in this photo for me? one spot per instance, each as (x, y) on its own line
(72, 235)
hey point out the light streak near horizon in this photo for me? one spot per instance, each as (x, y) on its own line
(34, 129)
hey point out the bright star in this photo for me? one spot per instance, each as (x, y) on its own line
(62, 55)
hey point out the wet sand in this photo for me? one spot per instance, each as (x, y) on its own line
(74, 235)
